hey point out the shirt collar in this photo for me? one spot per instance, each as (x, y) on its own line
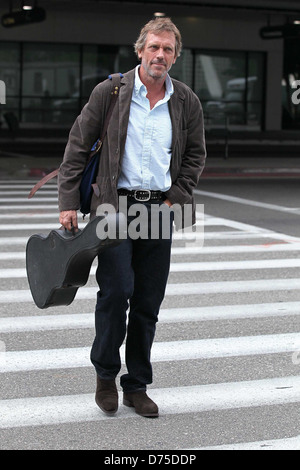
(138, 84)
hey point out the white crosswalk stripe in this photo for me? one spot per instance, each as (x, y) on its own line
(161, 352)
(197, 267)
(172, 315)
(76, 408)
(193, 288)
(201, 299)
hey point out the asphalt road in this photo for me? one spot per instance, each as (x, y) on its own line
(270, 203)
(225, 359)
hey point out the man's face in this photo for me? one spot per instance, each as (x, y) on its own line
(158, 55)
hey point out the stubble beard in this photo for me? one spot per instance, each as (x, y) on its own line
(156, 74)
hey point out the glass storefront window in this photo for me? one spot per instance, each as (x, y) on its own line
(290, 84)
(48, 84)
(230, 87)
(100, 61)
(50, 69)
(214, 72)
(183, 68)
(256, 65)
(10, 75)
(51, 79)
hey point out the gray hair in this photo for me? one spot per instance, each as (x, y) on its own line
(159, 25)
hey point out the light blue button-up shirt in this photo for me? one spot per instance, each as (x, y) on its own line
(147, 156)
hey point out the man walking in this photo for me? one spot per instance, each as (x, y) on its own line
(153, 154)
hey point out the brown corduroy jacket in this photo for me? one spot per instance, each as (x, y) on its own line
(188, 145)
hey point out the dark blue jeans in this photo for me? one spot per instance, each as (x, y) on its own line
(133, 274)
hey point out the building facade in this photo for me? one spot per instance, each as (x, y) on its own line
(243, 81)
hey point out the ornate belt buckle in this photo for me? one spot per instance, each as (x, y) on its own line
(141, 198)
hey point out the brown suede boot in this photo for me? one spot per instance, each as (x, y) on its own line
(107, 396)
(142, 404)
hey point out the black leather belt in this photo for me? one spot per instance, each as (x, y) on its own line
(142, 195)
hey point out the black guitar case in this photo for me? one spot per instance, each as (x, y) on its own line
(59, 263)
